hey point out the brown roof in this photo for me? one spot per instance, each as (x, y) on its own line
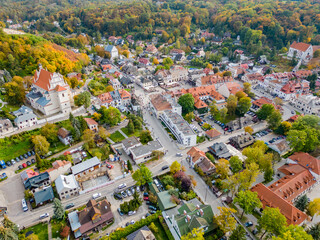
(307, 161)
(43, 80)
(294, 118)
(160, 103)
(90, 121)
(196, 154)
(261, 101)
(300, 46)
(270, 199)
(212, 133)
(206, 165)
(62, 132)
(60, 88)
(200, 104)
(213, 79)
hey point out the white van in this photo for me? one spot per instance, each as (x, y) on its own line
(24, 205)
(96, 195)
(45, 215)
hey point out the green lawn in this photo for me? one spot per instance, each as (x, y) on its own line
(161, 234)
(117, 136)
(56, 227)
(41, 230)
(57, 147)
(125, 131)
(10, 108)
(12, 149)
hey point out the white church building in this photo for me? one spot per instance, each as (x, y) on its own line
(49, 93)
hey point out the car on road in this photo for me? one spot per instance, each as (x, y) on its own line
(124, 195)
(292, 112)
(24, 205)
(152, 208)
(96, 195)
(179, 154)
(248, 224)
(119, 211)
(45, 215)
(70, 205)
(130, 213)
(165, 167)
(123, 185)
(132, 222)
(146, 198)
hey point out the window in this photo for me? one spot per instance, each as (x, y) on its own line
(62, 94)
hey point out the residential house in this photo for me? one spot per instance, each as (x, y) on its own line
(65, 136)
(43, 196)
(143, 233)
(214, 79)
(37, 182)
(302, 74)
(188, 217)
(143, 153)
(179, 128)
(220, 150)
(200, 106)
(114, 53)
(28, 173)
(252, 78)
(67, 186)
(50, 93)
(146, 82)
(301, 51)
(126, 82)
(116, 98)
(129, 69)
(198, 158)
(239, 123)
(151, 49)
(213, 134)
(294, 118)
(200, 53)
(116, 85)
(143, 62)
(92, 124)
(94, 216)
(257, 104)
(172, 76)
(58, 167)
(291, 88)
(241, 141)
(129, 143)
(307, 104)
(229, 88)
(75, 75)
(85, 167)
(25, 118)
(6, 126)
(280, 147)
(159, 102)
(174, 52)
(217, 40)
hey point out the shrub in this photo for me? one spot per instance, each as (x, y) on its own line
(65, 231)
(153, 228)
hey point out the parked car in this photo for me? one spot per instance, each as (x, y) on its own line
(130, 213)
(165, 167)
(133, 222)
(28, 163)
(123, 185)
(145, 194)
(29, 154)
(8, 163)
(45, 215)
(138, 189)
(24, 165)
(109, 165)
(70, 205)
(129, 192)
(132, 189)
(96, 195)
(119, 211)
(248, 224)
(179, 154)
(21, 157)
(152, 211)
(3, 175)
(127, 224)
(17, 159)
(152, 208)
(25, 156)
(149, 203)
(13, 162)
(33, 153)
(124, 195)
(118, 196)
(254, 231)
(156, 182)
(33, 160)
(20, 167)
(146, 198)
(148, 214)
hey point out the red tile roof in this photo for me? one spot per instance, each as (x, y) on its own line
(300, 46)
(199, 104)
(44, 79)
(90, 121)
(212, 133)
(124, 94)
(196, 154)
(261, 101)
(307, 161)
(60, 88)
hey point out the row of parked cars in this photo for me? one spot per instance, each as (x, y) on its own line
(262, 133)
(20, 158)
(121, 192)
(276, 139)
(223, 126)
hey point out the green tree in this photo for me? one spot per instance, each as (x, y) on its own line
(142, 175)
(272, 221)
(145, 136)
(88, 138)
(314, 231)
(274, 120)
(195, 234)
(222, 168)
(284, 128)
(314, 207)
(110, 116)
(189, 117)
(168, 180)
(15, 91)
(130, 127)
(232, 104)
(293, 232)
(223, 113)
(238, 234)
(248, 201)
(167, 62)
(265, 111)
(83, 99)
(129, 165)
(235, 164)
(244, 105)
(153, 228)
(58, 211)
(139, 50)
(50, 130)
(175, 167)
(187, 103)
(41, 145)
(103, 133)
(225, 220)
(247, 88)
(302, 203)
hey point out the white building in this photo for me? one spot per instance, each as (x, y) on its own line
(85, 167)
(143, 153)
(159, 103)
(172, 76)
(179, 128)
(50, 93)
(25, 117)
(307, 104)
(5, 126)
(65, 136)
(58, 167)
(67, 186)
(114, 53)
(301, 50)
(116, 98)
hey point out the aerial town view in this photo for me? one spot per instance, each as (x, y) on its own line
(159, 119)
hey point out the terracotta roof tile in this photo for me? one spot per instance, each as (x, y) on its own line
(300, 46)
(212, 133)
(90, 121)
(307, 161)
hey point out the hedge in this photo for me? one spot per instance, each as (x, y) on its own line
(165, 227)
(119, 234)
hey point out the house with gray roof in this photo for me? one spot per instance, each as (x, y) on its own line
(5, 126)
(143, 153)
(37, 182)
(25, 117)
(220, 150)
(43, 196)
(114, 53)
(130, 143)
(143, 233)
(67, 186)
(85, 167)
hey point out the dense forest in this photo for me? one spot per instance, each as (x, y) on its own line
(258, 22)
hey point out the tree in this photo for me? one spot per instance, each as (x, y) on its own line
(139, 50)
(235, 164)
(247, 87)
(145, 136)
(272, 221)
(314, 207)
(244, 105)
(278, 101)
(88, 138)
(227, 74)
(110, 116)
(142, 175)
(175, 167)
(167, 62)
(153, 227)
(284, 128)
(248, 201)
(293, 232)
(189, 117)
(103, 133)
(58, 211)
(222, 168)
(65, 231)
(186, 184)
(223, 113)
(41, 145)
(50, 130)
(83, 99)
(225, 220)
(238, 234)
(314, 231)
(130, 127)
(168, 180)
(15, 92)
(73, 82)
(240, 95)
(265, 111)
(155, 61)
(129, 166)
(195, 234)
(248, 129)
(187, 103)
(7, 233)
(302, 203)
(274, 120)
(7, 223)
(232, 104)
(32, 237)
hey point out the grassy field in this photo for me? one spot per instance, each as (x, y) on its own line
(10, 108)
(161, 234)
(125, 131)
(11, 149)
(56, 227)
(41, 230)
(117, 136)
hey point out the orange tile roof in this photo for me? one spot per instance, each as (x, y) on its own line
(90, 121)
(212, 133)
(270, 199)
(213, 79)
(105, 98)
(196, 153)
(44, 79)
(160, 103)
(60, 88)
(300, 46)
(307, 161)
(124, 94)
(199, 104)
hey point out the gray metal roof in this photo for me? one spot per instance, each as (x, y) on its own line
(109, 48)
(74, 220)
(44, 195)
(146, 149)
(24, 117)
(85, 165)
(43, 101)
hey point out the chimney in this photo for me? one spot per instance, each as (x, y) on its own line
(201, 212)
(188, 218)
(184, 212)
(198, 207)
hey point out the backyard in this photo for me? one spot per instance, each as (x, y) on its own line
(56, 227)
(126, 132)
(41, 230)
(117, 136)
